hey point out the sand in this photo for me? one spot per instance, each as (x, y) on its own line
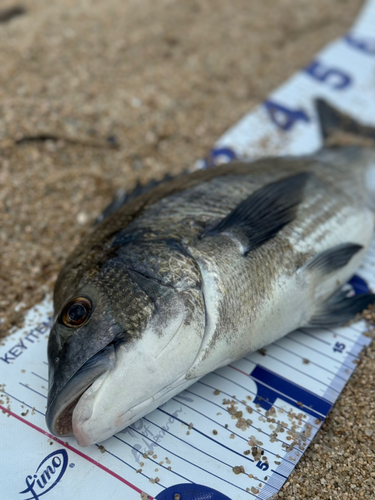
(95, 96)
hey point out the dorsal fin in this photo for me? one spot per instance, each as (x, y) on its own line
(332, 121)
(93, 248)
(264, 213)
(122, 197)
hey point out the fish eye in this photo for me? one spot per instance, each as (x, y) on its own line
(76, 312)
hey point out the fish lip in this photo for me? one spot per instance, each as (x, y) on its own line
(135, 412)
(63, 404)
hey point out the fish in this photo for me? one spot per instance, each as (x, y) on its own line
(195, 272)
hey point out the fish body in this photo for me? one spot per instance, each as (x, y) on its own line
(196, 273)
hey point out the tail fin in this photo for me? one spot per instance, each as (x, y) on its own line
(333, 121)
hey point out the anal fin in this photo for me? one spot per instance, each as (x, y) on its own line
(339, 309)
(332, 259)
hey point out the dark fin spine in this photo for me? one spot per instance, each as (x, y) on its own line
(332, 120)
(122, 197)
(263, 214)
(333, 259)
(118, 201)
(338, 310)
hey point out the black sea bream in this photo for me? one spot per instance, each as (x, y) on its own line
(199, 271)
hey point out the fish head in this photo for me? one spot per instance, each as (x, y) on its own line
(120, 346)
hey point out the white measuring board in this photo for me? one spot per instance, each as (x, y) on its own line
(277, 398)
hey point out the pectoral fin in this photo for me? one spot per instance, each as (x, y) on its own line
(263, 214)
(340, 309)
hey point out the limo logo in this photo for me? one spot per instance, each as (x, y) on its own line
(47, 475)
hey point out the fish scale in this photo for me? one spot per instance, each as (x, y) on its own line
(215, 198)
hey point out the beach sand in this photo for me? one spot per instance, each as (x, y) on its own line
(96, 96)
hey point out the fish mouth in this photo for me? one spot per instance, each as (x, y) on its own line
(60, 412)
(86, 435)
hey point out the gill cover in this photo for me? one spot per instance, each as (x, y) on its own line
(140, 303)
(71, 346)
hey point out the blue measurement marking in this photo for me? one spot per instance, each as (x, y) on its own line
(231, 397)
(319, 334)
(225, 409)
(183, 477)
(360, 340)
(23, 402)
(212, 402)
(188, 461)
(221, 444)
(309, 334)
(231, 430)
(366, 266)
(351, 327)
(39, 376)
(222, 426)
(312, 404)
(314, 337)
(311, 362)
(249, 391)
(332, 76)
(300, 371)
(33, 390)
(279, 473)
(179, 439)
(211, 439)
(319, 352)
(269, 396)
(150, 456)
(185, 442)
(126, 463)
(359, 285)
(192, 491)
(357, 330)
